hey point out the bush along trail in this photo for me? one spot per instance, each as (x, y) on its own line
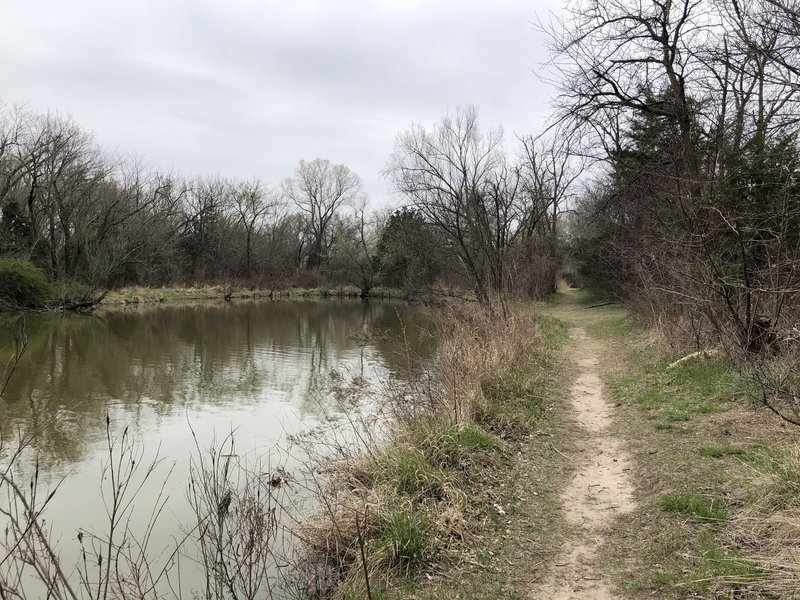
(595, 468)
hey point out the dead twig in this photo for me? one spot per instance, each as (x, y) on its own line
(599, 305)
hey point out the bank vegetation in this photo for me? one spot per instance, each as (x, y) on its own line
(418, 499)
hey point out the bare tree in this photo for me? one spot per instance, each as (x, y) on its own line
(549, 171)
(251, 202)
(354, 255)
(444, 172)
(695, 219)
(320, 190)
(203, 238)
(458, 179)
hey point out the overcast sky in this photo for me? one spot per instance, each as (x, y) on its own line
(249, 87)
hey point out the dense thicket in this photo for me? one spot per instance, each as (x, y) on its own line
(86, 216)
(691, 108)
(82, 214)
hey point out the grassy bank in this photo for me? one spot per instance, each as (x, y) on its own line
(433, 509)
(465, 499)
(718, 477)
(144, 295)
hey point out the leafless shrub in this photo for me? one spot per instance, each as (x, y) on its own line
(114, 562)
(777, 383)
(237, 532)
(230, 551)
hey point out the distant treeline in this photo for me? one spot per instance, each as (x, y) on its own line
(83, 214)
(474, 220)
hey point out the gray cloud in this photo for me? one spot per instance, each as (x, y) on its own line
(247, 88)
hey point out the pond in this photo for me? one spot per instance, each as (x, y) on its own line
(178, 377)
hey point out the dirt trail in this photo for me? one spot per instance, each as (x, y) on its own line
(600, 490)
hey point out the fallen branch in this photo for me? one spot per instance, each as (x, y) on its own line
(693, 355)
(82, 305)
(601, 304)
(562, 454)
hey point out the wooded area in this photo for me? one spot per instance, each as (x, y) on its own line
(666, 183)
(475, 218)
(689, 110)
(690, 107)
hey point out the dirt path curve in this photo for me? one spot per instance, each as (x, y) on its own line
(600, 490)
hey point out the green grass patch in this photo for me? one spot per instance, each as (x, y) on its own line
(473, 439)
(516, 403)
(713, 563)
(451, 446)
(673, 428)
(695, 506)
(553, 331)
(679, 394)
(408, 472)
(584, 297)
(618, 323)
(406, 537)
(676, 414)
(577, 296)
(653, 398)
(721, 451)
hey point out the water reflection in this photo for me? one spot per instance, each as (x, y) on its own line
(220, 361)
(254, 367)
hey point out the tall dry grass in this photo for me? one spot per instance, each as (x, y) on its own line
(769, 527)
(394, 506)
(479, 351)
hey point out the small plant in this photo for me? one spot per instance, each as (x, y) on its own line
(23, 285)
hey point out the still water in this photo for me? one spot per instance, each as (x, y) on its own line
(257, 368)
